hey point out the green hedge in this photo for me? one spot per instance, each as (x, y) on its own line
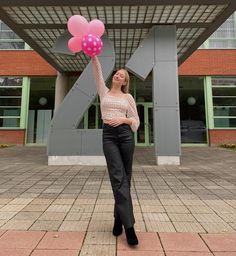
(229, 146)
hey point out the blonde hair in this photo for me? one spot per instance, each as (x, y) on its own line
(125, 88)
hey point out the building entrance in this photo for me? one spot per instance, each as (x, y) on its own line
(192, 110)
(41, 107)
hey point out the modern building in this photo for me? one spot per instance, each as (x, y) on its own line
(207, 91)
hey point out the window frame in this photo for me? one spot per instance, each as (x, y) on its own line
(12, 107)
(222, 106)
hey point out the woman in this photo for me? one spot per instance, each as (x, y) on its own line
(120, 118)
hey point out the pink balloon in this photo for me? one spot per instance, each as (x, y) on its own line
(92, 45)
(96, 27)
(75, 44)
(77, 25)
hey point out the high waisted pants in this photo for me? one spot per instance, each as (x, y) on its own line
(118, 148)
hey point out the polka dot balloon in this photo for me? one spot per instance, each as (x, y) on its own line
(92, 45)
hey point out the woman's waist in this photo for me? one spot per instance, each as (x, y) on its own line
(107, 125)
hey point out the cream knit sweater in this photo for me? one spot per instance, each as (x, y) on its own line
(112, 106)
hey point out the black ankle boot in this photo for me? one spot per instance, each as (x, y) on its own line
(117, 228)
(131, 236)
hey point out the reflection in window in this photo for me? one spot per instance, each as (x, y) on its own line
(9, 39)
(225, 35)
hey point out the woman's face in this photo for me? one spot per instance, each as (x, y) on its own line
(119, 77)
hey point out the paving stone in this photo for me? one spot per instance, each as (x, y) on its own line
(74, 226)
(223, 209)
(79, 216)
(199, 209)
(158, 226)
(181, 217)
(187, 242)
(4, 201)
(147, 242)
(18, 224)
(171, 202)
(46, 225)
(220, 242)
(7, 215)
(55, 253)
(103, 216)
(176, 209)
(216, 227)
(82, 208)
(233, 225)
(100, 225)
(12, 208)
(2, 222)
(63, 201)
(136, 208)
(194, 202)
(105, 201)
(53, 216)
(101, 250)
(62, 241)
(208, 218)
(15, 252)
(99, 238)
(67, 196)
(189, 254)
(152, 208)
(20, 239)
(104, 208)
(148, 202)
(230, 202)
(21, 201)
(27, 215)
(140, 226)
(58, 208)
(228, 217)
(36, 207)
(139, 253)
(156, 216)
(188, 227)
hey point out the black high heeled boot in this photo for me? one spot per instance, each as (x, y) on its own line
(117, 228)
(131, 236)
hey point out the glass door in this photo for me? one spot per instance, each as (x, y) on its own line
(41, 107)
(144, 135)
(192, 111)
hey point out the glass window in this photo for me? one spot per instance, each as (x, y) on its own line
(9, 39)
(10, 101)
(224, 102)
(144, 90)
(225, 36)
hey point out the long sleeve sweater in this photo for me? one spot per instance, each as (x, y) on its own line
(113, 106)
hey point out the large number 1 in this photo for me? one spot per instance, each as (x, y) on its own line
(65, 139)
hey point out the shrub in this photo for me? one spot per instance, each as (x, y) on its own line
(229, 146)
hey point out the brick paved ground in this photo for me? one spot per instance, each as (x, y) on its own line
(67, 210)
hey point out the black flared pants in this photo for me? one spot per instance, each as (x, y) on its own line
(118, 148)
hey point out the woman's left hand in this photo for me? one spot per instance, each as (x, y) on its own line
(117, 121)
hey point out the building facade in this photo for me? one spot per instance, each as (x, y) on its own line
(207, 93)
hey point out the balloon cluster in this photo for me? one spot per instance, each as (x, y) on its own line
(86, 35)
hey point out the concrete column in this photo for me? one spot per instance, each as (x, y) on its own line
(61, 88)
(166, 97)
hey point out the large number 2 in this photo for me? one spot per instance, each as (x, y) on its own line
(64, 138)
